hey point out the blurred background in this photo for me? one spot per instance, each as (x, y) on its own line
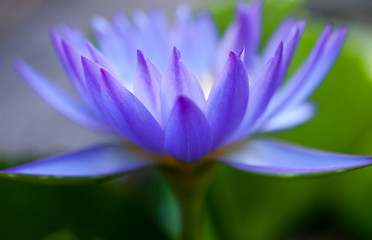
(241, 205)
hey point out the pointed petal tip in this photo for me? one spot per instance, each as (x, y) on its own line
(18, 63)
(23, 69)
(107, 76)
(343, 30)
(176, 53)
(182, 101)
(242, 54)
(90, 46)
(104, 72)
(235, 59)
(85, 61)
(301, 23)
(234, 56)
(328, 27)
(141, 57)
(279, 50)
(139, 53)
(53, 32)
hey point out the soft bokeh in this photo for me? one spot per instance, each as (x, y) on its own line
(240, 205)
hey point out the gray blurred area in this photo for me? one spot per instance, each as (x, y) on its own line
(354, 10)
(28, 124)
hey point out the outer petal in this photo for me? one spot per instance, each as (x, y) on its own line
(118, 48)
(195, 36)
(301, 85)
(73, 57)
(99, 58)
(59, 99)
(290, 118)
(228, 100)
(290, 46)
(122, 109)
(152, 36)
(245, 31)
(67, 56)
(317, 72)
(80, 167)
(188, 134)
(279, 158)
(179, 80)
(146, 85)
(73, 35)
(262, 88)
(279, 35)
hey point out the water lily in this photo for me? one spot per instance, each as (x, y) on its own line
(180, 97)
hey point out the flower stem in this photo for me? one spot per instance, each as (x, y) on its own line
(189, 185)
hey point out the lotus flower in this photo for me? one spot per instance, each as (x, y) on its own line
(187, 97)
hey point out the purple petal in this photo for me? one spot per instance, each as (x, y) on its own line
(83, 166)
(59, 99)
(279, 158)
(73, 35)
(206, 45)
(301, 85)
(179, 80)
(98, 58)
(118, 48)
(323, 64)
(73, 57)
(146, 85)
(290, 46)
(67, 56)
(187, 133)
(245, 31)
(122, 109)
(279, 35)
(290, 118)
(261, 90)
(197, 51)
(228, 100)
(152, 36)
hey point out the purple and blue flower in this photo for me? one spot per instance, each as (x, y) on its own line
(187, 96)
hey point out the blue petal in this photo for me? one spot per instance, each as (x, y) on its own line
(302, 84)
(83, 166)
(261, 90)
(122, 109)
(290, 46)
(245, 31)
(152, 36)
(118, 48)
(67, 55)
(228, 100)
(73, 35)
(60, 100)
(279, 35)
(317, 72)
(187, 133)
(99, 58)
(290, 118)
(196, 38)
(279, 158)
(146, 85)
(179, 80)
